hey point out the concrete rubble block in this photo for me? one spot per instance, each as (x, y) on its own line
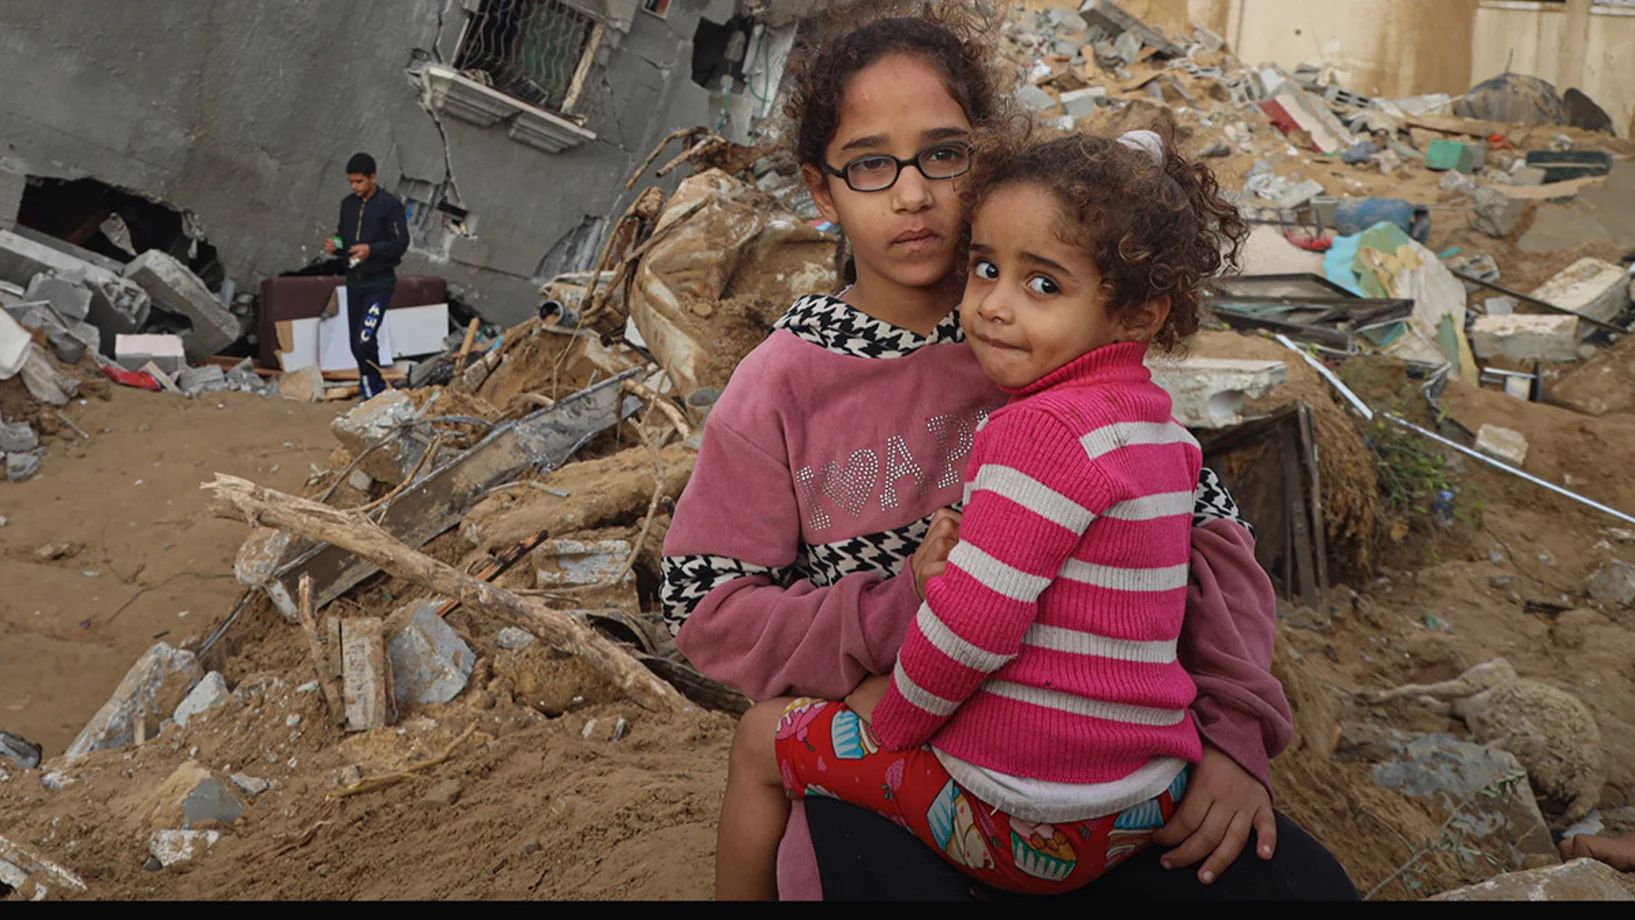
(1079, 103)
(174, 287)
(21, 466)
(251, 786)
(170, 847)
(1496, 214)
(68, 299)
(1503, 443)
(44, 381)
(304, 385)
(1486, 787)
(374, 421)
(1542, 338)
(243, 378)
(1579, 880)
(207, 378)
(1033, 98)
(430, 662)
(1300, 194)
(512, 638)
(16, 437)
(581, 562)
(210, 693)
(156, 684)
(1500, 306)
(1589, 286)
(1613, 583)
(363, 673)
(117, 305)
(70, 343)
(1211, 392)
(211, 800)
(133, 352)
(20, 752)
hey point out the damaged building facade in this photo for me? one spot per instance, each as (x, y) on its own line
(220, 131)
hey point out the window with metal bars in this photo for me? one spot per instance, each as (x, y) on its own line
(530, 50)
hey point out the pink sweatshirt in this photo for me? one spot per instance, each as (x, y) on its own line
(783, 589)
(1047, 650)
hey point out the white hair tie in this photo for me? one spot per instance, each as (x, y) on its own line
(1147, 141)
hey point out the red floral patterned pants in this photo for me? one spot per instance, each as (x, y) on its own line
(824, 748)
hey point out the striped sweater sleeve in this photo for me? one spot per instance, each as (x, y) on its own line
(1032, 494)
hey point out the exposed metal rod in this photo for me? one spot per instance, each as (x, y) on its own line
(1539, 303)
(1510, 469)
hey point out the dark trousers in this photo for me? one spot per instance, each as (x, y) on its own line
(365, 313)
(863, 857)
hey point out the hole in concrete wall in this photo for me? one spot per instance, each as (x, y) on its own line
(115, 224)
(718, 50)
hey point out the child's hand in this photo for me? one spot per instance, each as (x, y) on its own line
(1223, 802)
(867, 695)
(932, 556)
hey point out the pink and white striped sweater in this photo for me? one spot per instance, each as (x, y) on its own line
(1047, 650)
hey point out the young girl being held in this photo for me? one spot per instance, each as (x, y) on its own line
(1035, 729)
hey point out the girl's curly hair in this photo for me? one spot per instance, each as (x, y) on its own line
(1151, 231)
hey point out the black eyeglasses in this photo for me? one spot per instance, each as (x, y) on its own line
(876, 172)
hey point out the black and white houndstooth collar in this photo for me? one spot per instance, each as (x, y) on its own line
(831, 323)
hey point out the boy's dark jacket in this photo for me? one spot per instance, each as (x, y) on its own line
(381, 223)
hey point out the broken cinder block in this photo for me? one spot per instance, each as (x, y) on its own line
(430, 662)
(1503, 443)
(174, 287)
(363, 673)
(376, 420)
(1211, 392)
(133, 352)
(1541, 338)
(154, 686)
(1589, 286)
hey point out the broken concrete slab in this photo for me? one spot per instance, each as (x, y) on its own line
(117, 304)
(195, 381)
(1033, 98)
(1496, 214)
(22, 753)
(1579, 880)
(1542, 338)
(24, 465)
(430, 662)
(170, 847)
(210, 692)
(1300, 194)
(69, 300)
(17, 437)
(1211, 392)
(1080, 103)
(1613, 582)
(133, 352)
(1591, 287)
(174, 287)
(156, 684)
(377, 420)
(1488, 788)
(363, 672)
(251, 786)
(210, 800)
(581, 562)
(70, 343)
(1503, 443)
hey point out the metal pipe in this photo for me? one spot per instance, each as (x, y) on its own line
(1510, 469)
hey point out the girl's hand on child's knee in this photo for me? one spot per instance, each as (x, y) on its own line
(1223, 803)
(867, 695)
(932, 557)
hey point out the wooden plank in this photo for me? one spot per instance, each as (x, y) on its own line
(1300, 520)
(363, 655)
(1319, 536)
(465, 346)
(333, 651)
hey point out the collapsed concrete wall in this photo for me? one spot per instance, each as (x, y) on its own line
(244, 112)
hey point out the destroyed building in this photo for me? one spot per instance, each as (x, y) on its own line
(507, 127)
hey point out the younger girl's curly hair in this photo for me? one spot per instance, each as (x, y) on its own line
(1152, 231)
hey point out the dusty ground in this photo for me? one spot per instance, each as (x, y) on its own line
(145, 560)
